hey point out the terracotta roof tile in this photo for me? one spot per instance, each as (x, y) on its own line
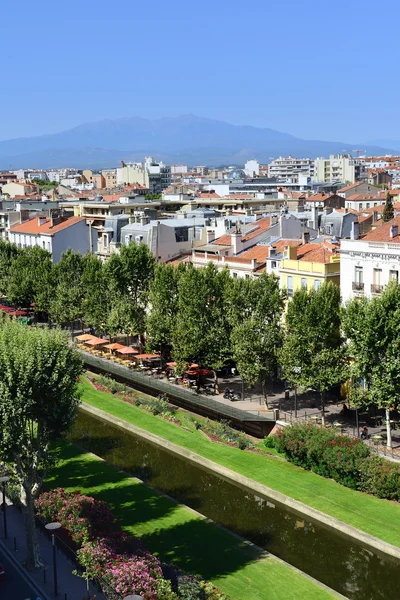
(32, 226)
(318, 253)
(382, 233)
(223, 240)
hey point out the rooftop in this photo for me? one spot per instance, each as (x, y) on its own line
(33, 226)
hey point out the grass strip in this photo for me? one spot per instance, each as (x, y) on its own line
(368, 513)
(178, 535)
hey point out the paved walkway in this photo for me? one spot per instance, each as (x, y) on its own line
(70, 587)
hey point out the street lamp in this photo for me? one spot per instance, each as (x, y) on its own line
(296, 370)
(3, 481)
(53, 527)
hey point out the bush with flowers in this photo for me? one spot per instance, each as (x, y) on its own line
(114, 558)
(346, 460)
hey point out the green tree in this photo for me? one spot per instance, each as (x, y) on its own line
(8, 253)
(96, 292)
(29, 278)
(38, 400)
(256, 307)
(129, 274)
(202, 330)
(66, 304)
(163, 305)
(388, 211)
(313, 354)
(372, 327)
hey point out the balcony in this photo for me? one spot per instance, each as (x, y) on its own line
(357, 286)
(376, 288)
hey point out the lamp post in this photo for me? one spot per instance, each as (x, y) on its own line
(296, 370)
(52, 527)
(3, 481)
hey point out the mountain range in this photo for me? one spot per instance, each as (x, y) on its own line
(187, 139)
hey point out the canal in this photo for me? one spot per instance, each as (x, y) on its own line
(329, 556)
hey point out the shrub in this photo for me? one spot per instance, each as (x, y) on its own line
(381, 478)
(269, 441)
(189, 588)
(324, 452)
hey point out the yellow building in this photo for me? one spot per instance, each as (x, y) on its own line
(309, 266)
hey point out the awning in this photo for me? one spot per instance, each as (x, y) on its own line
(84, 337)
(127, 350)
(17, 313)
(147, 356)
(96, 342)
(199, 372)
(115, 346)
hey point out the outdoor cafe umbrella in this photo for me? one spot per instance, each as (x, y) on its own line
(85, 337)
(114, 346)
(96, 342)
(127, 350)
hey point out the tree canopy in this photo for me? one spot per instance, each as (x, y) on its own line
(39, 396)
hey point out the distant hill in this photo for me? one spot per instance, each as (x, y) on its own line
(189, 139)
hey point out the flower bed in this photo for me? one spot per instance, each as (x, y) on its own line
(114, 558)
(346, 460)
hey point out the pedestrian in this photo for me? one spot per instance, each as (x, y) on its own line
(233, 371)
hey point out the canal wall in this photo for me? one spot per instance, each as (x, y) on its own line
(249, 485)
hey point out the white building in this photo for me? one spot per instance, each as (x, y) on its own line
(55, 235)
(252, 168)
(368, 264)
(290, 168)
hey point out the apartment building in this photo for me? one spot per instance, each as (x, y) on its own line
(309, 266)
(290, 168)
(369, 263)
(336, 168)
(55, 234)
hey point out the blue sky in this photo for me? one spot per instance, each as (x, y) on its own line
(315, 69)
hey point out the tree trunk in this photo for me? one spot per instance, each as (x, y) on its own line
(323, 408)
(265, 392)
(33, 558)
(388, 430)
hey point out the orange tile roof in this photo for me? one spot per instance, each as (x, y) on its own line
(223, 240)
(319, 197)
(346, 188)
(318, 253)
(382, 233)
(208, 195)
(32, 226)
(364, 197)
(262, 226)
(260, 253)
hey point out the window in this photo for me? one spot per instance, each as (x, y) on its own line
(304, 282)
(44, 245)
(358, 275)
(234, 275)
(393, 276)
(247, 276)
(289, 285)
(317, 284)
(273, 264)
(377, 276)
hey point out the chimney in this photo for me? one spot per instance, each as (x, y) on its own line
(355, 230)
(210, 235)
(394, 230)
(144, 220)
(305, 237)
(346, 210)
(291, 252)
(375, 216)
(237, 244)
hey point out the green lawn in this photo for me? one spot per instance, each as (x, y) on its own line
(178, 535)
(372, 515)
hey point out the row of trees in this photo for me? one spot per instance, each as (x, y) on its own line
(204, 315)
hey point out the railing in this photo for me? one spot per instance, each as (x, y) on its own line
(160, 386)
(357, 286)
(376, 288)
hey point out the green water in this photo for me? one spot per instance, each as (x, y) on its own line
(325, 554)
